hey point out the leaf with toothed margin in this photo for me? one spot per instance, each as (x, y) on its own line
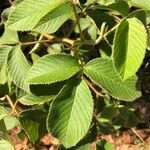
(41, 16)
(33, 123)
(53, 68)
(18, 67)
(4, 51)
(129, 48)
(102, 72)
(145, 4)
(71, 113)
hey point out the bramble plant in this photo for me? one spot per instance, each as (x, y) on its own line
(68, 68)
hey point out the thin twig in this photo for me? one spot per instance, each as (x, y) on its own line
(13, 106)
(98, 40)
(65, 40)
(133, 130)
(9, 101)
(11, 3)
(98, 94)
(77, 19)
(34, 42)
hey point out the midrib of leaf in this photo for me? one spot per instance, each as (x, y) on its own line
(109, 79)
(70, 108)
(130, 45)
(128, 50)
(122, 65)
(53, 76)
(18, 67)
(55, 15)
(53, 68)
(4, 51)
(117, 81)
(42, 10)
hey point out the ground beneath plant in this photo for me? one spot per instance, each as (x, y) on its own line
(126, 140)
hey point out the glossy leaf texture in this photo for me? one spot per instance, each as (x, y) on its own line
(53, 68)
(71, 113)
(102, 72)
(18, 67)
(129, 47)
(41, 16)
(145, 4)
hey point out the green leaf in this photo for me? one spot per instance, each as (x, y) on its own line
(10, 122)
(84, 23)
(6, 144)
(32, 124)
(145, 4)
(104, 145)
(18, 67)
(84, 144)
(129, 49)
(3, 75)
(120, 6)
(53, 68)
(103, 73)
(71, 113)
(4, 50)
(6, 13)
(3, 113)
(31, 99)
(99, 17)
(108, 113)
(106, 2)
(53, 20)
(41, 16)
(41, 93)
(126, 118)
(9, 37)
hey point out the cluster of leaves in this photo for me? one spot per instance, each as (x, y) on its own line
(63, 63)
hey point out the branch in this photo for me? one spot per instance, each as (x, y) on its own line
(13, 106)
(64, 40)
(104, 33)
(34, 42)
(10, 2)
(98, 94)
(138, 135)
(77, 18)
